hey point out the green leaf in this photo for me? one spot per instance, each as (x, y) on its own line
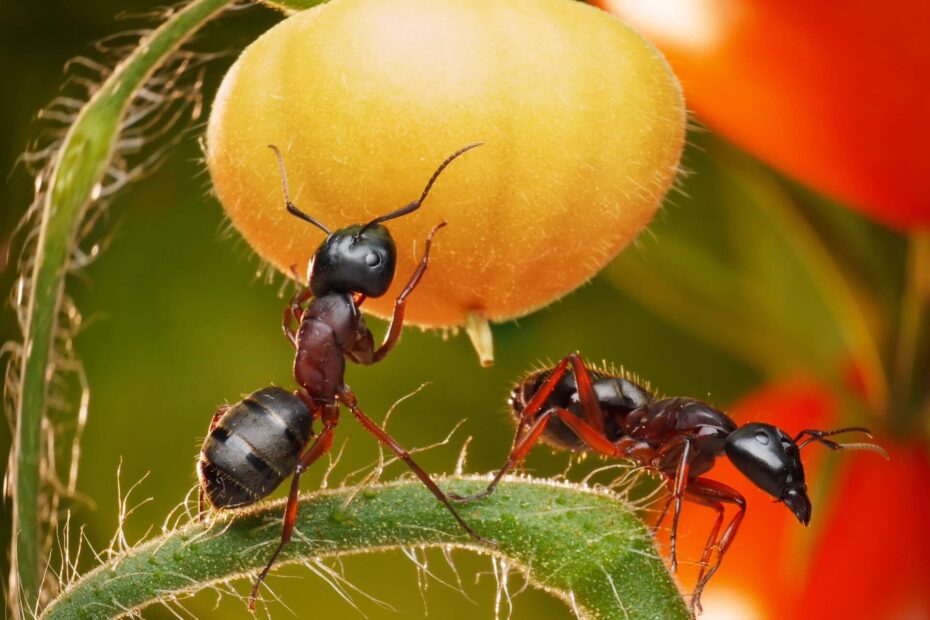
(584, 546)
(740, 266)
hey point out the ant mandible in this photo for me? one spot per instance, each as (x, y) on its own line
(254, 445)
(598, 411)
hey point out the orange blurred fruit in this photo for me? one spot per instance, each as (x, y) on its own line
(582, 120)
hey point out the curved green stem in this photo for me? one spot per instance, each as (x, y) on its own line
(78, 167)
(292, 6)
(586, 547)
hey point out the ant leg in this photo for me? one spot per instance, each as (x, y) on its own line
(598, 442)
(595, 439)
(708, 548)
(714, 494)
(293, 312)
(348, 399)
(400, 304)
(678, 492)
(516, 456)
(320, 447)
(289, 332)
(658, 523)
(589, 402)
(524, 442)
(201, 499)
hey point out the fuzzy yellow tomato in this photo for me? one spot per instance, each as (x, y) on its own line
(582, 123)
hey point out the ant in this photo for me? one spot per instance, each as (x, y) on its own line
(253, 445)
(590, 410)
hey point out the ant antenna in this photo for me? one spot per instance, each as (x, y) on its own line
(818, 436)
(291, 208)
(413, 206)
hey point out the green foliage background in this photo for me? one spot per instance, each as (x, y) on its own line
(177, 322)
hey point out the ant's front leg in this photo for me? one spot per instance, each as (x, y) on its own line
(293, 312)
(678, 484)
(714, 494)
(400, 304)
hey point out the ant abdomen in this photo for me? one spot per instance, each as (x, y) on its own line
(617, 395)
(253, 446)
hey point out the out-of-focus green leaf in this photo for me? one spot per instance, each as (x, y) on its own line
(740, 266)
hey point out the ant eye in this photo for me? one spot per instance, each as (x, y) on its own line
(373, 259)
(762, 437)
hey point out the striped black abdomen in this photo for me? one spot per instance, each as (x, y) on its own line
(254, 447)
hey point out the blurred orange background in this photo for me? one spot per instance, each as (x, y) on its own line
(787, 279)
(833, 94)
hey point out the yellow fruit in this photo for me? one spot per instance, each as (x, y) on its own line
(582, 123)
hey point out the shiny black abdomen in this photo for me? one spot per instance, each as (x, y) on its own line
(255, 445)
(649, 429)
(617, 396)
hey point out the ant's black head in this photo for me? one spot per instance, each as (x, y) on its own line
(772, 460)
(361, 258)
(355, 259)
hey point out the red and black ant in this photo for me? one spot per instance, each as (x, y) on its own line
(596, 411)
(254, 445)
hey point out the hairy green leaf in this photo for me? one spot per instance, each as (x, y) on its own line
(584, 546)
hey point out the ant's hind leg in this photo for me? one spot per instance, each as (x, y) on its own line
(348, 399)
(528, 432)
(320, 447)
(589, 402)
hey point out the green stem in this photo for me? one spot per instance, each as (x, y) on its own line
(78, 167)
(586, 547)
(292, 6)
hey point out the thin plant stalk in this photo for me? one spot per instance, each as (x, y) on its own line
(78, 168)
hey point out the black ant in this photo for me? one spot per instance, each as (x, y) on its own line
(254, 445)
(597, 411)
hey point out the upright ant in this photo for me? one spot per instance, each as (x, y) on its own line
(596, 411)
(256, 443)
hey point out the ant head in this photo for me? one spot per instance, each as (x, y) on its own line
(361, 258)
(358, 259)
(772, 460)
